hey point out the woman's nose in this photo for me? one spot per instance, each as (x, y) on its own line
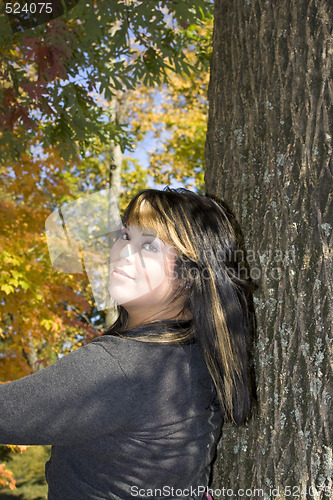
(126, 252)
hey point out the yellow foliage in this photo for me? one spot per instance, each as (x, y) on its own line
(176, 115)
(34, 296)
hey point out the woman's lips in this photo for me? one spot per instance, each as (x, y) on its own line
(120, 274)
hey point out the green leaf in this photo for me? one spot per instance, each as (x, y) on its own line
(7, 289)
(24, 285)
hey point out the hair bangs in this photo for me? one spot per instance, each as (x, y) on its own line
(143, 213)
(156, 212)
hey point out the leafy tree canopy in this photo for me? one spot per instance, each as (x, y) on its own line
(175, 114)
(48, 74)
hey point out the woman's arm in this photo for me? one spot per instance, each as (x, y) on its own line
(79, 397)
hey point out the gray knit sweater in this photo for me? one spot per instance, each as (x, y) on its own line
(126, 419)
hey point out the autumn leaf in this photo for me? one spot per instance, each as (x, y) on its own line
(6, 478)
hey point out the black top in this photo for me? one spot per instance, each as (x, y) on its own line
(126, 419)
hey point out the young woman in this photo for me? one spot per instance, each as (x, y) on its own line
(137, 413)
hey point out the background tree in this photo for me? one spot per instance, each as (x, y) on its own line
(172, 118)
(269, 156)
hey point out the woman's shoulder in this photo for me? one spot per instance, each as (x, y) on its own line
(124, 343)
(131, 350)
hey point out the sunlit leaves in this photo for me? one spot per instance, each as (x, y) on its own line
(35, 317)
(176, 115)
(6, 477)
(106, 46)
(134, 178)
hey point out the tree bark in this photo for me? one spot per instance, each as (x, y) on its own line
(115, 159)
(269, 157)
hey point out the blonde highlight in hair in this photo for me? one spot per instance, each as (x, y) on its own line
(218, 298)
(144, 214)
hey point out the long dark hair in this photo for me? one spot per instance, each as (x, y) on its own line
(211, 271)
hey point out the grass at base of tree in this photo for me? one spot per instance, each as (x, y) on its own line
(29, 472)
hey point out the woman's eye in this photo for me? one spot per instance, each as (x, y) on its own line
(150, 247)
(124, 236)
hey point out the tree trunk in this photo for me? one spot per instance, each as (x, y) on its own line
(269, 157)
(115, 160)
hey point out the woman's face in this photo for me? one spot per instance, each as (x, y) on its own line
(142, 277)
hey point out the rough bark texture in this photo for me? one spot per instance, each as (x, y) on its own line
(269, 157)
(115, 160)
